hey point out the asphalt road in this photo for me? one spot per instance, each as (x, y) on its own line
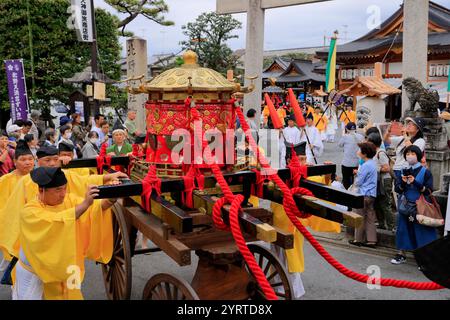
(320, 280)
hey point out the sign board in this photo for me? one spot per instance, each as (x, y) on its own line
(89, 92)
(83, 20)
(17, 89)
(99, 91)
(79, 108)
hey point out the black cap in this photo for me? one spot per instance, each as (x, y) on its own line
(291, 117)
(46, 177)
(140, 139)
(46, 152)
(22, 149)
(351, 126)
(64, 146)
(310, 116)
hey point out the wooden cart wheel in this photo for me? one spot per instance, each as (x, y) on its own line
(117, 273)
(164, 286)
(275, 273)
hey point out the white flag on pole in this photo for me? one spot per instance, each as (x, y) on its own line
(82, 19)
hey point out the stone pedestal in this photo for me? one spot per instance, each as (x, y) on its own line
(442, 194)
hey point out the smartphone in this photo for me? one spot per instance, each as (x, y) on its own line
(407, 172)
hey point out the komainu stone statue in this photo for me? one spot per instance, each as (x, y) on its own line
(428, 100)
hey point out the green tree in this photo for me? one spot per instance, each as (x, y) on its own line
(208, 37)
(56, 50)
(151, 9)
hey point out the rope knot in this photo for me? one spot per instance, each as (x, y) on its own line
(151, 182)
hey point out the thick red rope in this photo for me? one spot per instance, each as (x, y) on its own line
(235, 202)
(293, 212)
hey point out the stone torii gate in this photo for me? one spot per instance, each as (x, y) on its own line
(254, 51)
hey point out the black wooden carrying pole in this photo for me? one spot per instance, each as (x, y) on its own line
(92, 162)
(319, 190)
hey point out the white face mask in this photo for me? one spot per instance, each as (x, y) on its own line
(68, 135)
(93, 140)
(412, 160)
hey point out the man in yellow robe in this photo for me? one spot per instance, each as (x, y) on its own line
(64, 220)
(321, 122)
(26, 190)
(24, 163)
(294, 258)
(66, 153)
(349, 115)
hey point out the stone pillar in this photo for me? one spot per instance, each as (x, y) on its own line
(254, 55)
(137, 66)
(415, 43)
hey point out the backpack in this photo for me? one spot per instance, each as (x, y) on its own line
(391, 163)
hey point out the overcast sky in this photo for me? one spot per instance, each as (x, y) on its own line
(291, 27)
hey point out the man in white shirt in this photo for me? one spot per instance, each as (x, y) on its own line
(99, 118)
(315, 140)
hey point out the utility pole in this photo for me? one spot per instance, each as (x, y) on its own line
(94, 64)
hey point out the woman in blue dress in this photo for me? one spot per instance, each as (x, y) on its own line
(414, 181)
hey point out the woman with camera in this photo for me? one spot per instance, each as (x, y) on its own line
(414, 181)
(412, 135)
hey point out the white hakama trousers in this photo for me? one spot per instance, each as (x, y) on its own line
(28, 286)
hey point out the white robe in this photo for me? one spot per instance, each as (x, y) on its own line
(315, 140)
(292, 135)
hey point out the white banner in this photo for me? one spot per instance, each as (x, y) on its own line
(82, 19)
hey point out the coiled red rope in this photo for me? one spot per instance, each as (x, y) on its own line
(293, 212)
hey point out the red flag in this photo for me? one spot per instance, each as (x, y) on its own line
(297, 111)
(273, 113)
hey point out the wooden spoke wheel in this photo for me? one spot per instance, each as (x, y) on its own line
(117, 273)
(275, 273)
(164, 286)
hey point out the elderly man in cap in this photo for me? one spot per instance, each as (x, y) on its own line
(26, 190)
(120, 147)
(55, 272)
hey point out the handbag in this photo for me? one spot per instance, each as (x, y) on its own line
(429, 213)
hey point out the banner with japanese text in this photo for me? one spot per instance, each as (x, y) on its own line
(17, 89)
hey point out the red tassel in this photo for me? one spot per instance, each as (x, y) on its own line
(151, 182)
(297, 170)
(259, 184)
(297, 111)
(273, 113)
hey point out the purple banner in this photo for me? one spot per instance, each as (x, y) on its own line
(17, 89)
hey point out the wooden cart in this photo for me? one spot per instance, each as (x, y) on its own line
(221, 271)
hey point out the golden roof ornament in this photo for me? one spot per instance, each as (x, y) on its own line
(189, 79)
